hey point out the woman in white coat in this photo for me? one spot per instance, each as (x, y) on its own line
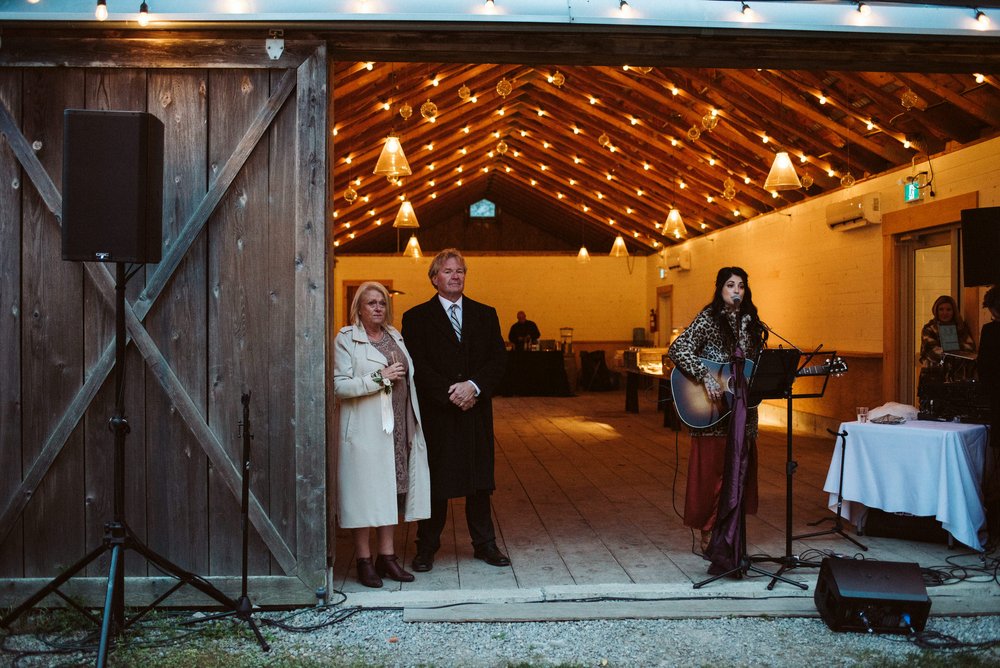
(382, 466)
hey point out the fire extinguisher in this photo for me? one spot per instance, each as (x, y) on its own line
(652, 321)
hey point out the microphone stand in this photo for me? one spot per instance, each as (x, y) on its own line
(789, 561)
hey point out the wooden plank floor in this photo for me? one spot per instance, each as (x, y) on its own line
(590, 495)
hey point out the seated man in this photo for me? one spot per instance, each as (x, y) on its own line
(523, 333)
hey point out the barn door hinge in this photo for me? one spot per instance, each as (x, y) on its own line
(275, 43)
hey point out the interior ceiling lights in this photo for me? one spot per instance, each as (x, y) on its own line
(392, 162)
(412, 248)
(674, 226)
(618, 248)
(406, 217)
(782, 175)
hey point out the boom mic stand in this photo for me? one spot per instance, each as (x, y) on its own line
(244, 608)
(838, 522)
(118, 537)
(745, 565)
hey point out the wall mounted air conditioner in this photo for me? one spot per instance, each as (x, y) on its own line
(679, 260)
(855, 212)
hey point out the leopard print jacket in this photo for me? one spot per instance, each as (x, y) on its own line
(703, 338)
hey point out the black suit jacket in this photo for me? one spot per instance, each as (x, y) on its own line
(459, 443)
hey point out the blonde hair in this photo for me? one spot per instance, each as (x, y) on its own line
(441, 258)
(368, 286)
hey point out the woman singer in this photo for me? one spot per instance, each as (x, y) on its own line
(725, 330)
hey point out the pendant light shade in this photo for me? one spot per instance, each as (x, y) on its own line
(406, 217)
(412, 248)
(392, 162)
(674, 226)
(782, 175)
(583, 257)
(618, 248)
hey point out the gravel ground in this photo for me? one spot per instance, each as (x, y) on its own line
(382, 638)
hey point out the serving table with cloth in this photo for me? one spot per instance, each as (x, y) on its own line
(919, 467)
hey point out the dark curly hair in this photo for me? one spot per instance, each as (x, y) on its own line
(717, 310)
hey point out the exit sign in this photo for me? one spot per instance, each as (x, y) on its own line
(911, 192)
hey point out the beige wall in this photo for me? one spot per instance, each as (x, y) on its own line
(814, 285)
(601, 300)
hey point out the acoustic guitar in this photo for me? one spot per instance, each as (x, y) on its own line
(698, 411)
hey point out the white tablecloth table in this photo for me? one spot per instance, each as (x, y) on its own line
(919, 467)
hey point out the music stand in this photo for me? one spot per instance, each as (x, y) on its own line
(792, 369)
(772, 377)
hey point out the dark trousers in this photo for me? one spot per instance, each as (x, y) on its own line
(477, 516)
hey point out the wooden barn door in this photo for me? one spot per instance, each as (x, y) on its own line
(236, 305)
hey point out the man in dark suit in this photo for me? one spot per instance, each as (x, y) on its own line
(458, 359)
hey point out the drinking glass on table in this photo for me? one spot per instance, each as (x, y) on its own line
(862, 414)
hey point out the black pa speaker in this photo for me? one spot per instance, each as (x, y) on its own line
(980, 246)
(866, 595)
(112, 186)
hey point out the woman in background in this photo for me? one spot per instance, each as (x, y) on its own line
(726, 330)
(945, 312)
(382, 465)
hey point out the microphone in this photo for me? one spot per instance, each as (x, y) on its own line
(737, 299)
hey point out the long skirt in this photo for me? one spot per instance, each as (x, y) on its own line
(704, 481)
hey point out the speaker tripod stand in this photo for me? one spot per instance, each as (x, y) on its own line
(118, 537)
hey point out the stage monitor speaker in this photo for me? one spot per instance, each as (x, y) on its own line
(980, 246)
(112, 186)
(867, 595)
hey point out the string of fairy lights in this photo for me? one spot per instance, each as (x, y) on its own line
(520, 150)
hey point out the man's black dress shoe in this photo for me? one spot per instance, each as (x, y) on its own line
(491, 555)
(422, 561)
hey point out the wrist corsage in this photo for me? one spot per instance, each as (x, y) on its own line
(384, 382)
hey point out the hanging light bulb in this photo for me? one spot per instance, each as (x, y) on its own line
(412, 248)
(583, 257)
(102, 10)
(623, 7)
(406, 217)
(143, 14)
(392, 162)
(618, 248)
(674, 227)
(782, 175)
(982, 18)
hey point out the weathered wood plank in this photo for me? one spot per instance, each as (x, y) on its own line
(194, 421)
(276, 436)
(52, 353)
(237, 327)
(177, 246)
(178, 470)
(113, 90)
(11, 558)
(310, 316)
(178, 51)
(534, 556)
